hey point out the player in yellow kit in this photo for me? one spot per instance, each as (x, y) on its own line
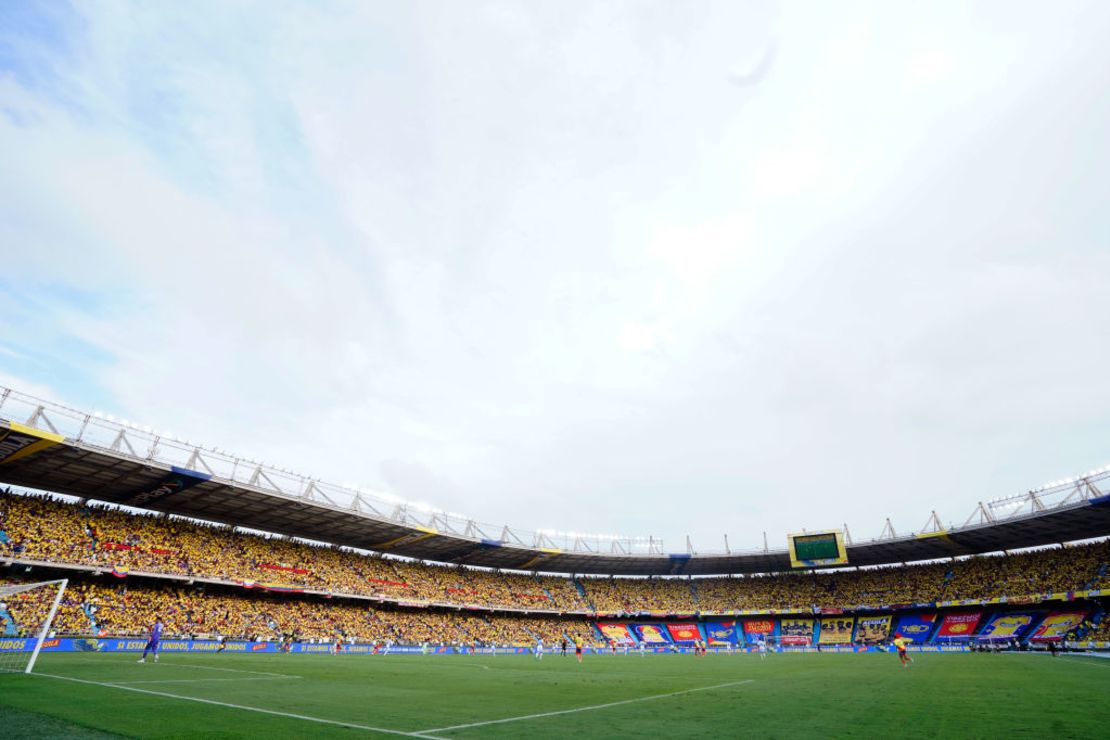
(901, 643)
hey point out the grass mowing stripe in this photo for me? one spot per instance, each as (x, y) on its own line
(276, 713)
(583, 709)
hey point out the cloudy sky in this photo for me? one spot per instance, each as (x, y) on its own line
(657, 268)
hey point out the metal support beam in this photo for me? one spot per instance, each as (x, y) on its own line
(933, 525)
(121, 441)
(197, 462)
(81, 431)
(40, 415)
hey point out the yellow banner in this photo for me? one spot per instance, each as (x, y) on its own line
(873, 629)
(796, 631)
(20, 441)
(836, 630)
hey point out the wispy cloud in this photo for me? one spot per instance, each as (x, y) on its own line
(551, 266)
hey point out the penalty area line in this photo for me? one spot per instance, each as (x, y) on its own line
(213, 702)
(582, 709)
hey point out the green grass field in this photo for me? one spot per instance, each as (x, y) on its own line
(788, 696)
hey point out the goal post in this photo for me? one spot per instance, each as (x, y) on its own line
(27, 611)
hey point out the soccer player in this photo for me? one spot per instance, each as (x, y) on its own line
(152, 642)
(762, 648)
(564, 646)
(900, 643)
(223, 644)
(641, 648)
(539, 648)
(578, 648)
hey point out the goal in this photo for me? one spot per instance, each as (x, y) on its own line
(26, 614)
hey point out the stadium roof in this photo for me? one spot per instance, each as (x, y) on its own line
(55, 448)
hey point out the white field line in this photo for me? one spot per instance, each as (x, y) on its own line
(181, 665)
(228, 670)
(581, 709)
(212, 702)
(1089, 661)
(203, 680)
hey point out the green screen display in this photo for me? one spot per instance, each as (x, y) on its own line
(816, 547)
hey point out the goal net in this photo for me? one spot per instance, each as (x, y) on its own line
(26, 614)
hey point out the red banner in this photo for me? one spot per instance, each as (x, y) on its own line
(684, 632)
(759, 626)
(286, 568)
(958, 626)
(1058, 624)
(398, 584)
(160, 551)
(615, 632)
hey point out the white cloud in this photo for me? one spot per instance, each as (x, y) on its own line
(554, 268)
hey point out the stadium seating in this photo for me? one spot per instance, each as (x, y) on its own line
(91, 608)
(44, 528)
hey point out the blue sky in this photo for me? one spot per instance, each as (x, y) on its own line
(644, 268)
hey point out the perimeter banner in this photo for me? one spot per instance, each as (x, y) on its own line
(615, 632)
(1007, 626)
(651, 634)
(20, 441)
(796, 631)
(873, 629)
(178, 480)
(757, 630)
(119, 645)
(958, 626)
(684, 632)
(916, 626)
(115, 645)
(720, 633)
(836, 630)
(1058, 624)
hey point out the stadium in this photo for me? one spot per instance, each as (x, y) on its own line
(262, 579)
(587, 368)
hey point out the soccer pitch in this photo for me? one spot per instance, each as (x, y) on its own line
(789, 695)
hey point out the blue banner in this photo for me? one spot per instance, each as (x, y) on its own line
(123, 645)
(916, 627)
(720, 633)
(127, 645)
(178, 480)
(1008, 626)
(651, 634)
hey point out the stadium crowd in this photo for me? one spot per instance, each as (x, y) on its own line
(43, 528)
(90, 607)
(48, 529)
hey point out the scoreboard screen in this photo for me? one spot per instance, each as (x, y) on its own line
(812, 549)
